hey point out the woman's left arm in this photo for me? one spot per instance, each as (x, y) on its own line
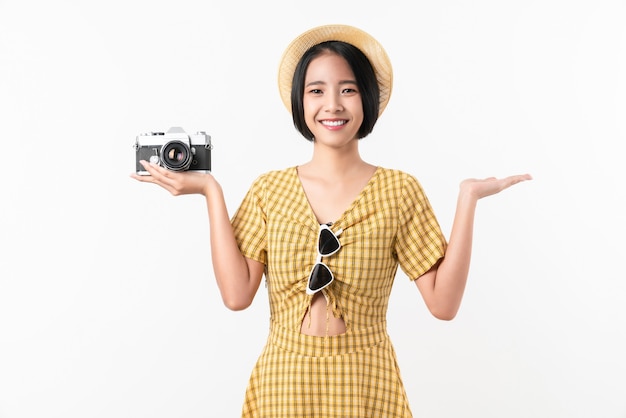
(442, 287)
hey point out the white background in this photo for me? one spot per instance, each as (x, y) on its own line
(108, 304)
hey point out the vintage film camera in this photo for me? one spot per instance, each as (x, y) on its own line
(175, 150)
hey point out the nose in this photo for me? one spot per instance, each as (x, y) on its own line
(333, 103)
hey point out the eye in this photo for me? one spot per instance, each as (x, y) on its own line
(349, 91)
(315, 91)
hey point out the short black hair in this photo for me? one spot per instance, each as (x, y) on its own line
(365, 78)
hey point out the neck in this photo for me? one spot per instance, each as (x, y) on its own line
(336, 162)
(335, 165)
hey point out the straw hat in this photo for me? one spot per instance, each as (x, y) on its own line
(372, 49)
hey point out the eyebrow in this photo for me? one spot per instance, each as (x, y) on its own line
(317, 83)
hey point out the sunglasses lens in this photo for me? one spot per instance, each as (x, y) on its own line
(328, 243)
(320, 277)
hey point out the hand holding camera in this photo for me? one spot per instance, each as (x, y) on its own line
(174, 150)
(175, 161)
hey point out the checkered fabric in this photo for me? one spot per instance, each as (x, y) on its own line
(390, 224)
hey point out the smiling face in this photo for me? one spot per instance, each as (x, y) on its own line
(333, 109)
(355, 63)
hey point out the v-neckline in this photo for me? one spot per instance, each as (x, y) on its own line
(349, 208)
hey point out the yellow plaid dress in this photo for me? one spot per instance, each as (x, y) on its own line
(355, 374)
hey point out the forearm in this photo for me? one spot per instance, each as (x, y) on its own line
(454, 269)
(232, 274)
(443, 289)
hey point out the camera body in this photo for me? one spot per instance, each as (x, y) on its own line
(174, 150)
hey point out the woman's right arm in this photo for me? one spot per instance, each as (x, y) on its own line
(238, 277)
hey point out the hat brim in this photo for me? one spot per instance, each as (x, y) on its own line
(372, 49)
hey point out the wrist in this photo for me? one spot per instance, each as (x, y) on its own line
(467, 197)
(211, 186)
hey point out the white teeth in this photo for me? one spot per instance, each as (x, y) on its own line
(333, 123)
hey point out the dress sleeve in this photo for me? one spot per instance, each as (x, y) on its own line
(250, 223)
(419, 242)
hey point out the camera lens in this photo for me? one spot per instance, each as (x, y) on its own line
(176, 156)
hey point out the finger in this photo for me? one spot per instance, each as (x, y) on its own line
(155, 175)
(148, 167)
(151, 167)
(512, 180)
(521, 177)
(159, 174)
(145, 176)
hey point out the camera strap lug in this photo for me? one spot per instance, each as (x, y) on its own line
(207, 144)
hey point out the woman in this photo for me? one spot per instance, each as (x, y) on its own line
(329, 236)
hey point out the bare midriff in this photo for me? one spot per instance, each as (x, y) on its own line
(319, 320)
